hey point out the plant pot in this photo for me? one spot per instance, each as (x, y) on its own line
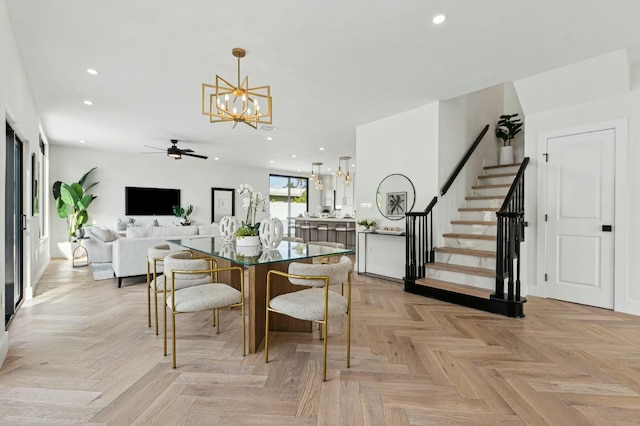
(247, 241)
(506, 155)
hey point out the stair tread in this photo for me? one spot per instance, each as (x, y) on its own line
(485, 197)
(502, 185)
(497, 175)
(501, 166)
(468, 252)
(469, 270)
(478, 209)
(471, 236)
(474, 222)
(456, 288)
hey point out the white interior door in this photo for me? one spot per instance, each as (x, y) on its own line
(580, 207)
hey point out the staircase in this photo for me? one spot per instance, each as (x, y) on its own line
(467, 262)
(464, 270)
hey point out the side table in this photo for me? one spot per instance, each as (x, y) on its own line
(78, 251)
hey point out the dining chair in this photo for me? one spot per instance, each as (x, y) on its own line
(316, 302)
(155, 261)
(191, 285)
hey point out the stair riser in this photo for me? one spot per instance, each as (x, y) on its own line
(460, 278)
(470, 244)
(496, 181)
(485, 215)
(475, 229)
(491, 202)
(502, 170)
(490, 191)
(464, 260)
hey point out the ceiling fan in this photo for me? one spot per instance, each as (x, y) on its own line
(174, 152)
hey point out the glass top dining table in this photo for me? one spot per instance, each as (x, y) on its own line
(257, 255)
(259, 261)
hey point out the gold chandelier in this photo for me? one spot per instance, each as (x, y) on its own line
(240, 104)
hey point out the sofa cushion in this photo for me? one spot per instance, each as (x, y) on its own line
(171, 231)
(103, 234)
(212, 230)
(138, 232)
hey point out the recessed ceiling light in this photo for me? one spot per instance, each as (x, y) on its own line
(439, 19)
(269, 138)
(92, 71)
(271, 161)
(353, 165)
(216, 158)
(293, 156)
(328, 170)
(88, 103)
(82, 141)
(298, 170)
(321, 148)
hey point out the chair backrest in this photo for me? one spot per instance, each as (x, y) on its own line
(183, 261)
(328, 244)
(338, 273)
(160, 252)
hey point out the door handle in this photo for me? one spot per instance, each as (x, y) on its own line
(606, 228)
(23, 222)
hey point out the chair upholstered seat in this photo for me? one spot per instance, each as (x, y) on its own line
(309, 304)
(205, 297)
(180, 283)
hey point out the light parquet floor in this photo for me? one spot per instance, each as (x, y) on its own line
(81, 353)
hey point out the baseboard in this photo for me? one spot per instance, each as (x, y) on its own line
(4, 346)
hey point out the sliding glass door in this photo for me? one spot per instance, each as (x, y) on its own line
(287, 198)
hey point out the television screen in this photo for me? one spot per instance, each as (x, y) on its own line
(150, 201)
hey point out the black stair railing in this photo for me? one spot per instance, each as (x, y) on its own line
(419, 241)
(419, 225)
(510, 233)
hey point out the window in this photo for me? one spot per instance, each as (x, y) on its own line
(287, 197)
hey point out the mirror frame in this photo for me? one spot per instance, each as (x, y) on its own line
(410, 190)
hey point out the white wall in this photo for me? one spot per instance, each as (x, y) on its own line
(461, 121)
(405, 143)
(194, 177)
(625, 107)
(16, 103)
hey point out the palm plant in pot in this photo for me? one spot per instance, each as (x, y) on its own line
(72, 202)
(183, 214)
(506, 129)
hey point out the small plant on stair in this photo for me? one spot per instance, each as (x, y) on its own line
(508, 127)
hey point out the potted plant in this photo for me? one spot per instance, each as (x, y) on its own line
(247, 233)
(72, 202)
(367, 223)
(506, 129)
(183, 214)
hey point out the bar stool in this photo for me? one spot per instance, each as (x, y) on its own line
(322, 227)
(309, 228)
(343, 232)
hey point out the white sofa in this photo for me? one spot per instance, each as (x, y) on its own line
(129, 254)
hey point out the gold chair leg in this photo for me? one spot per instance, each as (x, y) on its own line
(266, 336)
(216, 313)
(244, 339)
(324, 352)
(155, 305)
(164, 304)
(149, 297)
(173, 337)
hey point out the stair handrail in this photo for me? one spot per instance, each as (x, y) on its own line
(510, 233)
(463, 161)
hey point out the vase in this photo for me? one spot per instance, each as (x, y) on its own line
(506, 155)
(271, 233)
(248, 241)
(228, 227)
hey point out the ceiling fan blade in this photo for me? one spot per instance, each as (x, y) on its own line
(186, 150)
(204, 157)
(155, 147)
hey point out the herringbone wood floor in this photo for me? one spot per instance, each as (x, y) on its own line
(81, 353)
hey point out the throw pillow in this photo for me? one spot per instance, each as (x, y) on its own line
(103, 234)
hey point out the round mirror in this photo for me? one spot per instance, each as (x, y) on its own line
(395, 196)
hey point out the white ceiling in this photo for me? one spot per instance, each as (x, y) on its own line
(332, 65)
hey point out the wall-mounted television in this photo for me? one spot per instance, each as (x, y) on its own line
(150, 201)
